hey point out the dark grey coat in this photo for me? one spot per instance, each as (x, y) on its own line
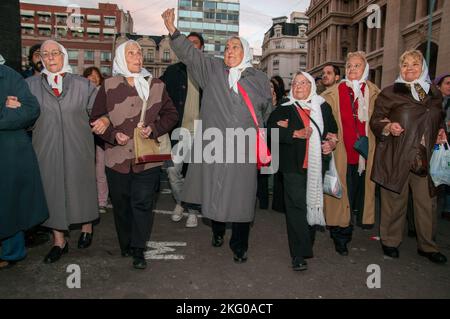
(64, 146)
(227, 192)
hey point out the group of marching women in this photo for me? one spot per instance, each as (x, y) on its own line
(51, 179)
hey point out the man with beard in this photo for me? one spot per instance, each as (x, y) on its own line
(34, 61)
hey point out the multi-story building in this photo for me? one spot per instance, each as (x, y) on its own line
(156, 51)
(216, 20)
(340, 26)
(88, 34)
(284, 49)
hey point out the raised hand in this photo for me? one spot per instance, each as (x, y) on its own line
(169, 20)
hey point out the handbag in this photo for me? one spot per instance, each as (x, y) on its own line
(263, 156)
(331, 183)
(149, 150)
(440, 165)
(362, 143)
(419, 166)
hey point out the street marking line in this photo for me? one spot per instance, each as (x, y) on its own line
(168, 212)
(159, 250)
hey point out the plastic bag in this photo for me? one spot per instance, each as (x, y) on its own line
(331, 183)
(440, 165)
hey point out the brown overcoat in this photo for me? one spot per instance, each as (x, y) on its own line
(337, 211)
(394, 155)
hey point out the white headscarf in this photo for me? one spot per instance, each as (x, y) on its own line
(235, 73)
(2, 60)
(424, 81)
(120, 68)
(314, 190)
(55, 80)
(363, 99)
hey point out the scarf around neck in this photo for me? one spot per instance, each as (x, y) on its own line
(235, 73)
(363, 99)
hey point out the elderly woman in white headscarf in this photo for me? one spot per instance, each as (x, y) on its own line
(131, 185)
(352, 102)
(64, 144)
(231, 87)
(408, 121)
(307, 136)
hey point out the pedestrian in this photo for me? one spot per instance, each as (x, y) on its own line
(226, 191)
(34, 62)
(22, 199)
(352, 102)
(64, 144)
(308, 135)
(408, 121)
(331, 75)
(186, 96)
(94, 75)
(132, 186)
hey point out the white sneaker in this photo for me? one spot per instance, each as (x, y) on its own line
(177, 214)
(191, 221)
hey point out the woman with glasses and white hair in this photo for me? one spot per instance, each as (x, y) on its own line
(352, 102)
(408, 121)
(307, 136)
(64, 145)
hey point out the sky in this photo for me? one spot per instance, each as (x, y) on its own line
(255, 15)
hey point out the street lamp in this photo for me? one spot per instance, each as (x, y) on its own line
(430, 29)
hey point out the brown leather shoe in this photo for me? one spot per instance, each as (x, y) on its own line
(6, 264)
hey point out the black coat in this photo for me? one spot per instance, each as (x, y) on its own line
(176, 81)
(292, 150)
(22, 199)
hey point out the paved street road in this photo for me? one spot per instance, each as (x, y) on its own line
(195, 269)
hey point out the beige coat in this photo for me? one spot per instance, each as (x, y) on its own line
(337, 211)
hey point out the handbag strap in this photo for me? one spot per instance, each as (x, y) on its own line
(144, 104)
(310, 118)
(249, 104)
(354, 113)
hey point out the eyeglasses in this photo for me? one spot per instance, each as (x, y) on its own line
(301, 83)
(353, 66)
(54, 54)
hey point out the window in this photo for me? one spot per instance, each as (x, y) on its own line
(45, 32)
(62, 32)
(278, 45)
(77, 20)
(105, 70)
(197, 25)
(185, 3)
(184, 24)
(208, 26)
(105, 56)
(77, 34)
(166, 56)
(73, 54)
(74, 68)
(197, 4)
(222, 6)
(210, 15)
(27, 31)
(150, 57)
(89, 55)
(110, 21)
(209, 47)
(276, 63)
(184, 14)
(221, 27)
(45, 18)
(301, 45)
(209, 5)
(232, 28)
(233, 17)
(221, 16)
(61, 20)
(233, 7)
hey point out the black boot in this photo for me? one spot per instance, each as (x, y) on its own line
(139, 261)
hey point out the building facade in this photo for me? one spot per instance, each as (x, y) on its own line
(341, 26)
(216, 20)
(88, 34)
(156, 51)
(285, 48)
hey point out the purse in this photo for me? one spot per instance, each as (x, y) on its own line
(263, 156)
(419, 165)
(149, 150)
(331, 183)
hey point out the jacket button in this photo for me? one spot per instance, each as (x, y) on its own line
(131, 151)
(132, 104)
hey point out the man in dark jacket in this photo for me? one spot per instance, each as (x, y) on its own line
(186, 96)
(22, 199)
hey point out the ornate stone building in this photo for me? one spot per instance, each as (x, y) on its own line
(284, 47)
(340, 26)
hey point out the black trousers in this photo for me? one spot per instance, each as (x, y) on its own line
(300, 234)
(263, 191)
(133, 196)
(240, 233)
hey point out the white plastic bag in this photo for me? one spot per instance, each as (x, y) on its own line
(331, 184)
(440, 166)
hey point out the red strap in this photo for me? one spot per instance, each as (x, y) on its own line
(249, 104)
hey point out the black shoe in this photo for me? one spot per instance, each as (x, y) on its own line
(390, 251)
(139, 261)
(217, 240)
(240, 257)
(299, 264)
(85, 240)
(55, 253)
(435, 257)
(341, 249)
